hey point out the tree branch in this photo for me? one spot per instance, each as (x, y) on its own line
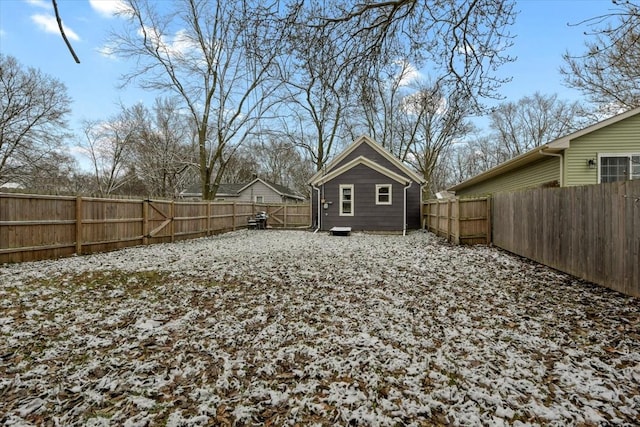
(64, 36)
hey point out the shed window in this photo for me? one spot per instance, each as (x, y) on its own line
(346, 200)
(383, 194)
(619, 167)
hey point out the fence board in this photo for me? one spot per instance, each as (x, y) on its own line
(591, 232)
(464, 221)
(34, 227)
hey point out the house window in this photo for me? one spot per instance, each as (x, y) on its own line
(259, 199)
(619, 167)
(383, 194)
(346, 200)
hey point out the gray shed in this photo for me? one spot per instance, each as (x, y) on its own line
(366, 188)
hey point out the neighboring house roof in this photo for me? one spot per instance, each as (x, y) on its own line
(280, 189)
(554, 147)
(329, 173)
(234, 190)
(230, 190)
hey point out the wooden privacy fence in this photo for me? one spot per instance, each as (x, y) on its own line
(461, 221)
(34, 227)
(592, 232)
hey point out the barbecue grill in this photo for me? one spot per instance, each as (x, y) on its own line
(259, 221)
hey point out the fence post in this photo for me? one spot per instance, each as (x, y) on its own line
(285, 216)
(79, 225)
(173, 222)
(449, 220)
(488, 221)
(233, 216)
(425, 216)
(145, 222)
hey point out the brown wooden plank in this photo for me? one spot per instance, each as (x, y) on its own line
(38, 227)
(592, 232)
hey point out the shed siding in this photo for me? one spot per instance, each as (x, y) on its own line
(414, 207)
(259, 189)
(621, 137)
(536, 174)
(367, 215)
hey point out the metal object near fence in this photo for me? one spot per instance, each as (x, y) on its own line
(259, 221)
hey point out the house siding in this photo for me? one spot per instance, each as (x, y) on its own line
(536, 174)
(621, 137)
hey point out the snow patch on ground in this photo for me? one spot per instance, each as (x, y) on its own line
(286, 327)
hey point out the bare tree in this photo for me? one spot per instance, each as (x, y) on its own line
(217, 58)
(317, 80)
(532, 121)
(53, 173)
(379, 103)
(109, 147)
(242, 166)
(435, 118)
(347, 52)
(608, 72)
(461, 41)
(273, 158)
(515, 128)
(471, 157)
(33, 128)
(162, 152)
(283, 163)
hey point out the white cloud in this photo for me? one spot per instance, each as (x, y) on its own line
(408, 73)
(420, 100)
(48, 24)
(182, 42)
(178, 46)
(107, 51)
(109, 8)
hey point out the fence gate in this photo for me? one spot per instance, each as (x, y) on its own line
(273, 216)
(159, 219)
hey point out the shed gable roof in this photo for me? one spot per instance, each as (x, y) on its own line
(361, 160)
(556, 146)
(319, 177)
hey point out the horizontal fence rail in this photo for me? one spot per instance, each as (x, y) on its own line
(35, 227)
(591, 232)
(460, 221)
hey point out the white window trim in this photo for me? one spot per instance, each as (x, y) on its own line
(600, 155)
(344, 187)
(378, 187)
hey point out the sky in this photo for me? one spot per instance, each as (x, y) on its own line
(29, 32)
